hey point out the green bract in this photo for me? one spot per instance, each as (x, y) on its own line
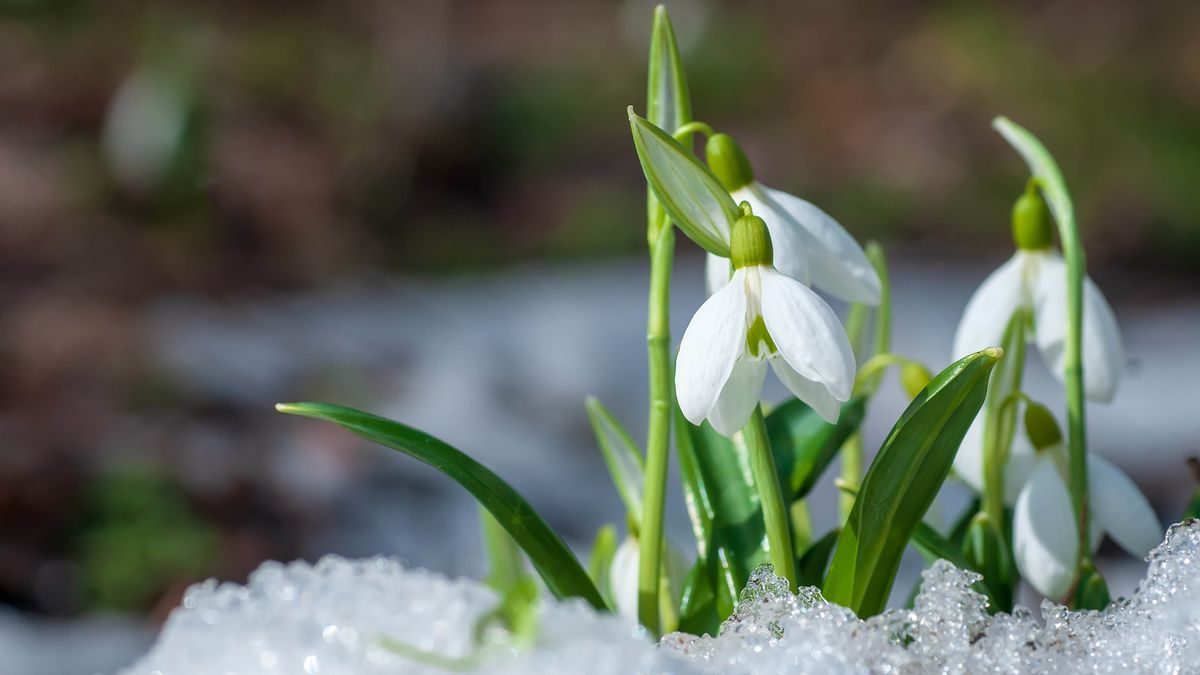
(902, 482)
(691, 195)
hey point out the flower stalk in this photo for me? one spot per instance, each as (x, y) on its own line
(770, 493)
(658, 343)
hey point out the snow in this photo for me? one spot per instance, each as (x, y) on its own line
(336, 618)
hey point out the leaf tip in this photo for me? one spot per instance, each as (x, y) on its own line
(993, 353)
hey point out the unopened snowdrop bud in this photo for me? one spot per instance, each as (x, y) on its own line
(914, 377)
(1041, 427)
(728, 162)
(623, 576)
(1033, 228)
(750, 242)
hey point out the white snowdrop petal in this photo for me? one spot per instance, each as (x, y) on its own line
(1120, 508)
(711, 344)
(623, 578)
(716, 272)
(812, 393)
(1103, 349)
(739, 396)
(836, 263)
(794, 248)
(807, 333)
(1045, 541)
(990, 308)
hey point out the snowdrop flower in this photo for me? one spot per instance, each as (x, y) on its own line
(623, 576)
(759, 316)
(1035, 280)
(1045, 537)
(810, 246)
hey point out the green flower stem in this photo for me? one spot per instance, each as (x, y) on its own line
(1068, 233)
(1000, 418)
(505, 566)
(658, 343)
(1048, 178)
(852, 467)
(770, 494)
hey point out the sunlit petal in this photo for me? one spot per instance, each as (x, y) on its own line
(1121, 509)
(836, 263)
(968, 463)
(739, 396)
(1045, 541)
(812, 393)
(1103, 350)
(711, 344)
(990, 308)
(807, 333)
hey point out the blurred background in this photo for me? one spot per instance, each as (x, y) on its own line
(432, 210)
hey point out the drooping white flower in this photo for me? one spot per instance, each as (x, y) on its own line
(623, 576)
(1045, 538)
(1035, 279)
(810, 246)
(760, 316)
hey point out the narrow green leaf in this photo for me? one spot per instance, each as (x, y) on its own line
(1092, 591)
(604, 547)
(810, 569)
(805, 444)
(558, 567)
(987, 552)
(902, 482)
(724, 508)
(625, 462)
(698, 605)
(691, 195)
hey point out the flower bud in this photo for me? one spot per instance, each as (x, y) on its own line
(728, 162)
(914, 377)
(1031, 221)
(750, 242)
(1042, 427)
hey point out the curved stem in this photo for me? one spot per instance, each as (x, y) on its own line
(770, 494)
(658, 338)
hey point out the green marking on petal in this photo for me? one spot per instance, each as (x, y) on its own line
(758, 336)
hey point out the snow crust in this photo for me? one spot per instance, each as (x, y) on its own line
(345, 617)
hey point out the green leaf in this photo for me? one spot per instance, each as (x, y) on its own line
(604, 547)
(810, 569)
(724, 508)
(804, 444)
(691, 195)
(902, 482)
(563, 574)
(987, 552)
(698, 604)
(625, 462)
(1092, 592)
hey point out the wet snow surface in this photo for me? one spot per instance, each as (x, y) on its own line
(333, 618)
